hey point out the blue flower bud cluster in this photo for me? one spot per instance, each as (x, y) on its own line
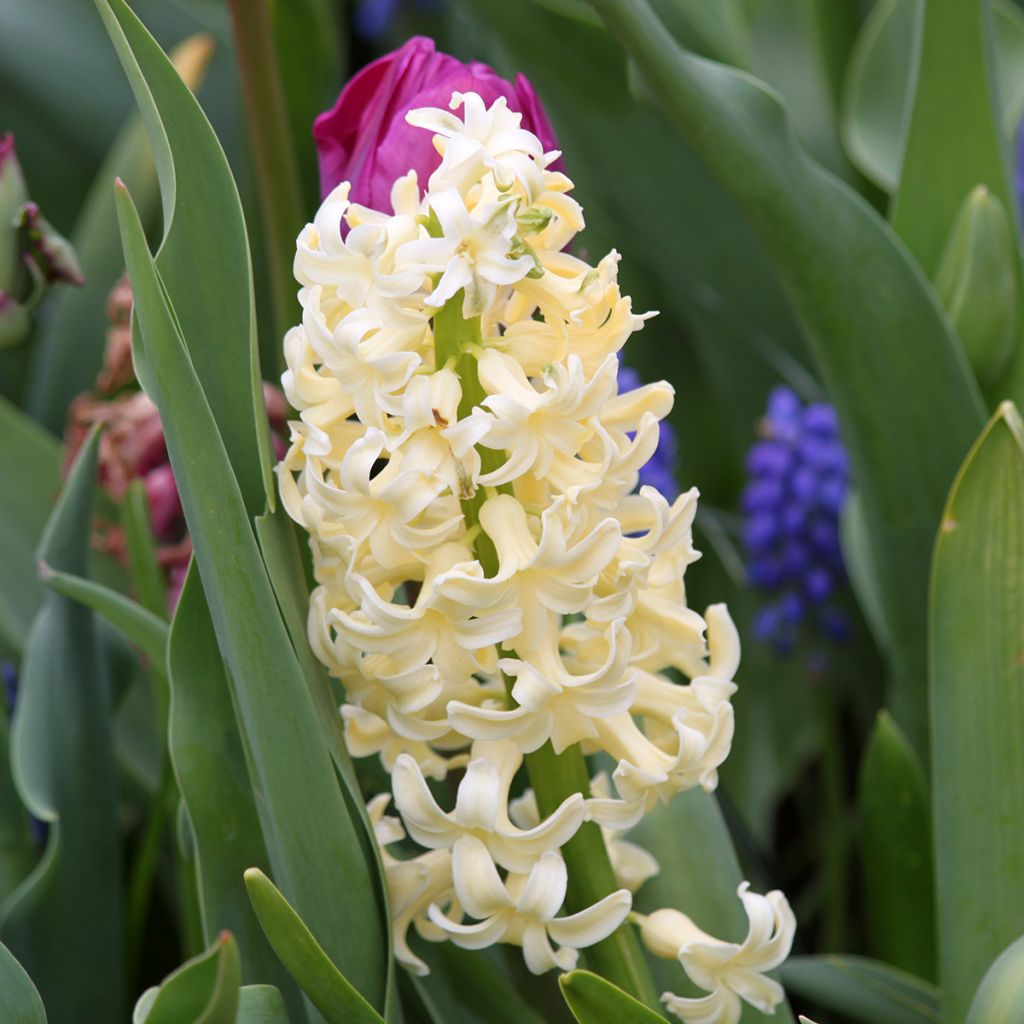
(660, 470)
(798, 473)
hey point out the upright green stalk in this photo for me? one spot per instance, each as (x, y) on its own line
(277, 172)
(834, 835)
(619, 958)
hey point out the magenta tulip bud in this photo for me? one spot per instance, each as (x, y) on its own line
(365, 139)
(164, 503)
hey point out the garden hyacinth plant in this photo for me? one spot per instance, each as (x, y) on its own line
(368, 656)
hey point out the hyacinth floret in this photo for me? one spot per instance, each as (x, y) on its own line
(490, 576)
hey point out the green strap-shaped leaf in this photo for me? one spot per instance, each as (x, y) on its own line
(907, 403)
(596, 1001)
(19, 1000)
(65, 922)
(896, 852)
(878, 94)
(699, 875)
(261, 1004)
(977, 706)
(204, 257)
(314, 972)
(313, 842)
(210, 766)
(863, 990)
(1000, 996)
(135, 623)
(68, 349)
(279, 544)
(876, 91)
(953, 98)
(977, 282)
(203, 991)
(29, 481)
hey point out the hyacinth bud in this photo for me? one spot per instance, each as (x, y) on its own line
(32, 253)
(13, 196)
(977, 283)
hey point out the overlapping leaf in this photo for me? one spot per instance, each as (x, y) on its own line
(29, 480)
(313, 843)
(977, 712)
(907, 403)
(65, 921)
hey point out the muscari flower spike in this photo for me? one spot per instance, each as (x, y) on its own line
(798, 477)
(478, 520)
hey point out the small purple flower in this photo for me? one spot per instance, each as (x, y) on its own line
(373, 18)
(798, 475)
(660, 471)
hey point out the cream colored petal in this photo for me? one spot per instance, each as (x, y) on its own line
(594, 923)
(477, 882)
(544, 892)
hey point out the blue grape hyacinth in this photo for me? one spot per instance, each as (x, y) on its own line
(798, 476)
(660, 471)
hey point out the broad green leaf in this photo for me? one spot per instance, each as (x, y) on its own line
(203, 991)
(719, 31)
(29, 480)
(279, 544)
(896, 852)
(699, 875)
(863, 990)
(953, 96)
(977, 711)
(19, 1000)
(216, 787)
(313, 841)
(878, 92)
(204, 256)
(835, 24)
(131, 620)
(596, 1001)
(261, 1004)
(907, 403)
(67, 351)
(65, 920)
(314, 972)
(1000, 996)
(977, 283)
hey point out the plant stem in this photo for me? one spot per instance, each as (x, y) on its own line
(834, 845)
(277, 172)
(554, 777)
(143, 871)
(620, 957)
